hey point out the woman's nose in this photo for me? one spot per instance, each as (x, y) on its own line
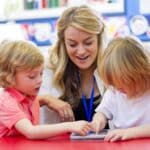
(80, 49)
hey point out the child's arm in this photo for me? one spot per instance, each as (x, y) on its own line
(63, 108)
(25, 127)
(99, 121)
(129, 133)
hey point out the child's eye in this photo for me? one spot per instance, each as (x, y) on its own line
(41, 74)
(32, 77)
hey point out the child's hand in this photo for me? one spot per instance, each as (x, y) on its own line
(118, 134)
(98, 123)
(81, 127)
(97, 126)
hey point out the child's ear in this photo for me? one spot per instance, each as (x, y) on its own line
(10, 80)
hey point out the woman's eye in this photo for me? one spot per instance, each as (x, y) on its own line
(88, 43)
(72, 45)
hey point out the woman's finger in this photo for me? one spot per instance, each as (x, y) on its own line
(61, 114)
(71, 115)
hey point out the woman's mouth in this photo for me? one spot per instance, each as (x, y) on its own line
(82, 58)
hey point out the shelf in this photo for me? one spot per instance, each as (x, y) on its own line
(103, 8)
(36, 14)
(144, 38)
(119, 8)
(113, 8)
(144, 8)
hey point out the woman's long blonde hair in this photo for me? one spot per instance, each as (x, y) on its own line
(125, 62)
(65, 72)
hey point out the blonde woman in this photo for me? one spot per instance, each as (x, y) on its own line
(21, 67)
(71, 73)
(125, 69)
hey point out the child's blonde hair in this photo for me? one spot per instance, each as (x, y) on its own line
(125, 62)
(17, 56)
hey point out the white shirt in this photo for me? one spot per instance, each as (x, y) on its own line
(124, 112)
(47, 115)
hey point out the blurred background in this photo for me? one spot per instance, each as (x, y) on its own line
(36, 20)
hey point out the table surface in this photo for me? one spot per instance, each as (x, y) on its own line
(64, 143)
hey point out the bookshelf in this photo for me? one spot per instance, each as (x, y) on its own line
(39, 17)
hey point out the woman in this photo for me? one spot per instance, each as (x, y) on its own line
(72, 65)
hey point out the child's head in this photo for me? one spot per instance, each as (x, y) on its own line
(21, 66)
(125, 65)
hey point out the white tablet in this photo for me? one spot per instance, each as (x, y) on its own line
(90, 136)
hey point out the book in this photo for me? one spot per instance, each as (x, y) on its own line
(90, 136)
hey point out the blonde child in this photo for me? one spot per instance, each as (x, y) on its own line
(125, 69)
(21, 67)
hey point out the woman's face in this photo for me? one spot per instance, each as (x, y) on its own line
(82, 47)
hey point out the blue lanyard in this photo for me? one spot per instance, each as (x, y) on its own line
(88, 108)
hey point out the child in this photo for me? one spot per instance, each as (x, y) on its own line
(125, 69)
(21, 67)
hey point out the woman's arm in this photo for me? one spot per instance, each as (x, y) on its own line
(63, 108)
(45, 97)
(25, 127)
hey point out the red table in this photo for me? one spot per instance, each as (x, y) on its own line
(64, 143)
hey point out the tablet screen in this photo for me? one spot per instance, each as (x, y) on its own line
(91, 135)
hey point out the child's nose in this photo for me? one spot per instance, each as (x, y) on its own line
(39, 80)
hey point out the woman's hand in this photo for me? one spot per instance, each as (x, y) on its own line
(62, 108)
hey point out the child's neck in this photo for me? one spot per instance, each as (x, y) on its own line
(24, 94)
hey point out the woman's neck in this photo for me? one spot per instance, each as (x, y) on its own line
(87, 74)
(87, 81)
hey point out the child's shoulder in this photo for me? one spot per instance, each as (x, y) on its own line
(1, 89)
(6, 97)
(113, 93)
(2, 93)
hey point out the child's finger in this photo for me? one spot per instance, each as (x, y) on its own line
(98, 128)
(93, 126)
(115, 138)
(111, 137)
